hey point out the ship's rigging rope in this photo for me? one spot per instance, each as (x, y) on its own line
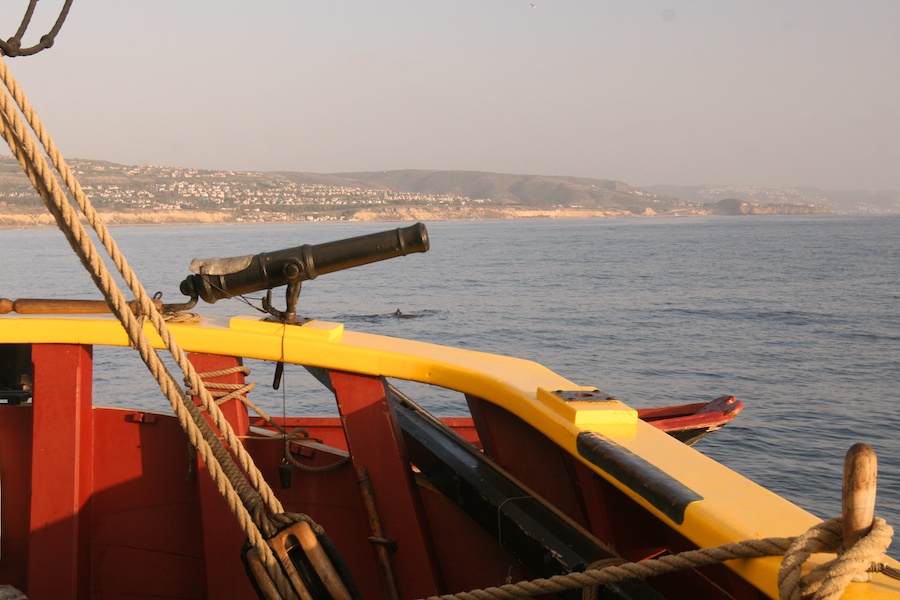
(249, 497)
(13, 46)
(825, 582)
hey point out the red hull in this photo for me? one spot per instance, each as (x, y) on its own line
(110, 503)
(692, 422)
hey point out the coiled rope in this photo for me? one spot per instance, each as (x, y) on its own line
(825, 582)
(248, 497)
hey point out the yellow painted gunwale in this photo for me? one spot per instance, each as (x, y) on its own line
(733, 508)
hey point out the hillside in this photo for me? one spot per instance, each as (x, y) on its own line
(153, 194)
(525, 190)
(142, 193)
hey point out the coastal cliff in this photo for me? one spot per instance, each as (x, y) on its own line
(732, 206)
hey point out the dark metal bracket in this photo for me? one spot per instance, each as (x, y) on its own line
(292, 271)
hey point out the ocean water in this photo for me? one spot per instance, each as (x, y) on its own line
(799, 317)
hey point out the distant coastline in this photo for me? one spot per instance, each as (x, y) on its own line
(37, 219)
(192, 217)
(153, 195)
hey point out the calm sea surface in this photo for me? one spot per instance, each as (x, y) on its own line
(799, 317)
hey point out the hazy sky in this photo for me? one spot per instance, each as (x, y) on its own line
(786, 93)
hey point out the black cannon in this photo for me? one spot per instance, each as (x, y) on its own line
(218, 278)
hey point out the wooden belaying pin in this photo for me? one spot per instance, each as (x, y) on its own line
(858, 497)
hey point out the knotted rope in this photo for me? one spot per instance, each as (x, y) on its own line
(828, 580)
(223, 392)
(825, 582)
(248, 501)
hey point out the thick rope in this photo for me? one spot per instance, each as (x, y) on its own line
(295, 434)
(181, 317)
(224, 472)
(825, 582)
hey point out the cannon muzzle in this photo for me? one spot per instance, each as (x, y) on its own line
(226, 277)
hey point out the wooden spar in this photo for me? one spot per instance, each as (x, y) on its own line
(40, 306)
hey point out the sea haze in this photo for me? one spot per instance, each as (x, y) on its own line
(799, 317)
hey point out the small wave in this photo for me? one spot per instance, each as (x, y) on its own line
(871, 336)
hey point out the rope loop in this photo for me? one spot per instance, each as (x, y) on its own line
(592, 592)
(13, 46)
(301, 434)
(223, 392)
(828, 580)
(181, 317)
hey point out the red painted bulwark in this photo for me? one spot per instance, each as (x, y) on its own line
(109, 507)
(147, 539)
(61, 473)
(528, 455)
(375, 442)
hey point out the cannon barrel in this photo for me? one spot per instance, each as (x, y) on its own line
(218, 278)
